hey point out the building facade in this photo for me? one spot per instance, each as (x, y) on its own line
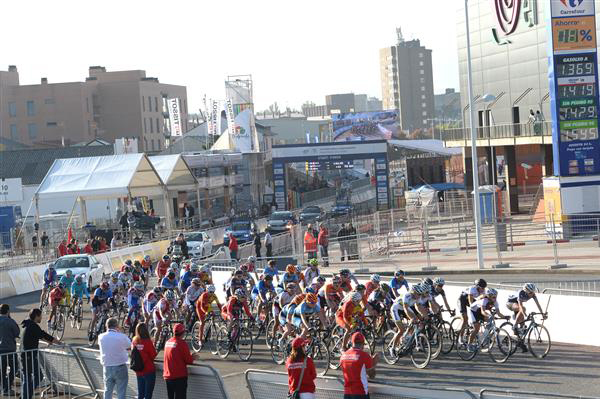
(407, 82)
(108, 105)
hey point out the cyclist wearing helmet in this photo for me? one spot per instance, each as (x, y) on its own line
(134, 299)
(309, 307)
(205, 275)
(56, 297)
(169, 281)
(398, 282)
(404, 308)
(67, 281)
(372, 284)
(126, 278)
(150, 301)
(101, 297)
(346, 280)
(515, 302)
(147, 265)
(186, 278)
(203, 307)
(236, 303)
(468, 297)
(162, 267)
(481, 310)
(287, 312)
(50, 278)
(251, 265)
(290, 275)
(235, 282)
(283, 298)
(331, 294)
(271, 270)
(193, 292)
(162, 311)
(261, 290)
(78, 289)
(316, 284)
(312, 272)
(348, 315)
(128, 264)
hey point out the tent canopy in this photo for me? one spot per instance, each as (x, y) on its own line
(174, 172)
(101, 178)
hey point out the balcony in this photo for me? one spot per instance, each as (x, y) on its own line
(509, 134)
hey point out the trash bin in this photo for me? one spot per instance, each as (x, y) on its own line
(501, 236)
(487, 202)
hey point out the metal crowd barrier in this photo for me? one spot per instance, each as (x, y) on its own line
(499, 394)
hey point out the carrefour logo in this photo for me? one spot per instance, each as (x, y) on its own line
(577, 8)
(571, 3)
(509, 13)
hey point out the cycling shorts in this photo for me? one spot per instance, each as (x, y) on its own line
(463, 303)
(475, 317)
(509, 306)
(275, 310)
(297, 321)
(322, 302)
(398, 312)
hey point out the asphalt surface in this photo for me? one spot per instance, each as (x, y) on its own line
(568, 369)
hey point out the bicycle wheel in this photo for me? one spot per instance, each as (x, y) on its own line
(223, 343)
(435, 341)
(319, 353)
(508, 326)
(500, 346)
(335, 353)
(269, 333)
(244, 344)
(92, 336)
(420, 354)
(79, 316)
(194, 341)
(538, 341)
(278, 349)
(390, 354)
(462, 346)
(447, 337)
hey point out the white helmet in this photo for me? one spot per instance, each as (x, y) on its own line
(417, 289)
(530, 287)
(138, 286)
(170, 295)
(174, 265)
(439, 281)
(251, 259)
(194, 268)
(356, 296)
(491, 292)
(375, 278)
(211, 288)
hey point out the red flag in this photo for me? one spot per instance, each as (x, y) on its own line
(69, 235)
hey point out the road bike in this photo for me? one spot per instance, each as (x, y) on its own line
(212, 323)
(76, 313)
(57, 328)
(94, 330)
(532, 334)
(337, 339)
(45, 302)
(166, 332)
(237, 338)
(494, 340)
(413, 343)
(446, 330)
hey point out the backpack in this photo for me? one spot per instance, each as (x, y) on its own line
(137, 363)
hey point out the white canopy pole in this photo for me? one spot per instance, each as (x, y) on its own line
(199, 211)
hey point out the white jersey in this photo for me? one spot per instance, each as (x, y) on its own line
(284, 298)
(192, 294)
(484, 304)
(472, 290)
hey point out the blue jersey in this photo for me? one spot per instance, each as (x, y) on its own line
(50, 276)
(306, 310)
(290, 278)
(101, 296)
(397, 284)
(262, 288)
(79, 289)
(133, 298)
(186, 280)
(169, 284)
(67, 282)
(270, 271)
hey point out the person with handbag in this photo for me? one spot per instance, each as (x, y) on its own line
(143, 354)
(301, 372)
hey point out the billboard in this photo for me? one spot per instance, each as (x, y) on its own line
(360, 126)
(175, 117)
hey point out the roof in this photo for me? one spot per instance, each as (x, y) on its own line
(101, 178)
(32, 165)
(174, 172)
(7, 144)
(426, 146)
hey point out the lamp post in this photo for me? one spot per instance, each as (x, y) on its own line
(476, 203)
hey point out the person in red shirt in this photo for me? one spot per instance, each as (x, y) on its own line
(146, 379)
(88, 248)
(62, 248)
(56, 296)
(357, 366)
(234, 305)
(294, 365)
(323, 241)
(177, 358)
(103, 245)
(162, 267)
(203, 305)
(233, 247)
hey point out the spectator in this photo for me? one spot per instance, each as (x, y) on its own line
(323, 241)
(357, 365)
(177, 357)
(301, 371)
(341, 235)
(88, 249)
(188, 213)
(180, 240)
(257, 244)
(269, 244)
(103, 245)
(96, 244)
(9, 332)
(310, 243)
(62, 248)
(34, 242)
(352, 243)
(233, 247)
(45, 241)
(115, 242)
(113, 356)
(31, 374)
(147, 377)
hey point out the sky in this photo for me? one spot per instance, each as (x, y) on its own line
(295, 51)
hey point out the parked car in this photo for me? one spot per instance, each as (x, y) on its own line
(199, 244)
(84, 264)
(280, 221)
(311, 214)
(241, 229)
(341, 209)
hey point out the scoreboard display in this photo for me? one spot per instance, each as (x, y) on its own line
(573, 73)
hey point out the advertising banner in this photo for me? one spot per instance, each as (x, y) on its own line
(230, 117)
(215, 118)
(360, 126)
(241, 135)
(11, 190)
(175, 117)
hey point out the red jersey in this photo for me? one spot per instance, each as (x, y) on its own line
(62, 250)
(177, 357)
(148, 353)
(323, 238)
(350, 313)
(162, 267)
(231, 309)
(294, 370)
(146, 264)
(370, 287)
(56, 295)
(204, 301)
(354, 364)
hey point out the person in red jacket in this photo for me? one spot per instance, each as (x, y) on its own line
(62, 248)
(146, 379)
(177, 358)
(294, 365)
(233, 247)
(323, 241)
(357, 366)
(162, 267)
(88, 248)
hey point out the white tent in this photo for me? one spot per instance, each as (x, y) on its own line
(104, 177)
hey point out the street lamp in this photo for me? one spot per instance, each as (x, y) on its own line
(476, 203)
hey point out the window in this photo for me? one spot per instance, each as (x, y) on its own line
(152, 144)
(159, 145)
(424, 113)
(51, 101)
(155, 104)
(51, 124)
(423, 105)
(30, 108)
(421, 63)
(422, 72)
(32, 131)
(145, 126)
(145, 144)
(143, 105)
(12, 109)
(422, 88)
(185, 106)
(423, 96)
(422, 80)
(420, 55)
(151, 125)
(149, 104)
(14, 135)
(87, 104)
(424, 121)
(157, 126)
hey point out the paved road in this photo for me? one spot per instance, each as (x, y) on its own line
(568, 369)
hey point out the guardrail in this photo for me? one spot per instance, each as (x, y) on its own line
(504, 131)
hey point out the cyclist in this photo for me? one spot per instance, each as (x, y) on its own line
(237, 302)
(135, 297)
(437, 289)
(346, 280)
(78, 289)
(403, 308)
(261, 290)
(330, 295)
(162, 312)
(128, 264)
(169, 282)
(203, 307)
(271, 270)
(372, 284)
(147, 265)
(205, 275)
(348, 315)
(479, 311)
(188, 276)
(316, 284)
(235, 282)
(312, 272)
(247, 276)
(300, 275)
(162, 267)
(515, 303)
(56, 296)
(251, 266)
(67, 281)
(466, 299)
(398, 282)
(150, 301)
(302, 313)
(102, 295)
(50, 278)
(125, 278)
(289, 276)
(191, 295)
(283, 298)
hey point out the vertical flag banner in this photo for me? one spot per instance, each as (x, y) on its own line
(215, 116)
(230, 117)
(175, 117)
(207, 118)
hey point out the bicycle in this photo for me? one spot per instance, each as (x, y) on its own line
(133, 322)
(536, 336)
(166, 331)
(57, 329)
(318, 351)
(263, 320)
(413, 342)
(94, 330)
(76, 313)
(446, 330)
(45, 303)
(491, 339)
(238, 338)
(335, 353)
(211, 327)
